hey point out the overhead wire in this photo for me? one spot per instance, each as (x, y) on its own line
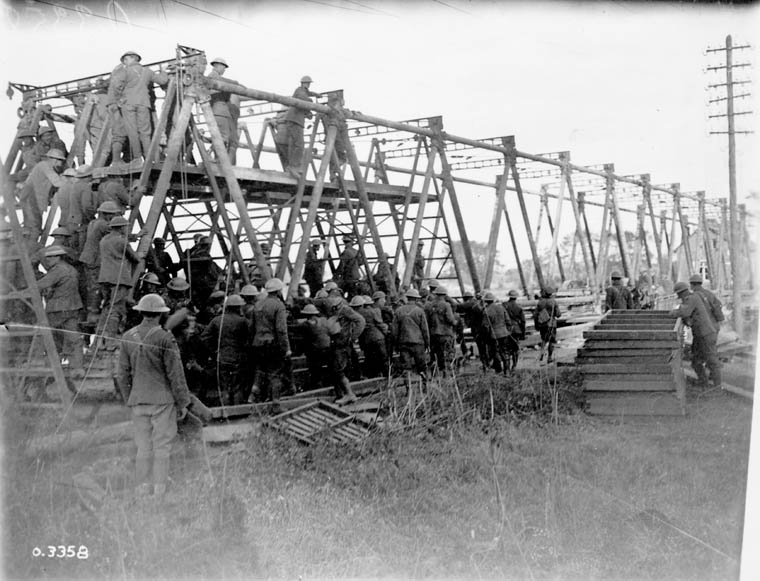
(211, 13)
(90, 13)
(453, 7)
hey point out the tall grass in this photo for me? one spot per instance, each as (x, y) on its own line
(493, 477)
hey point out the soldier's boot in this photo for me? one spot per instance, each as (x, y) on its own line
(348, 394)
(550, 358)
(160, 476)
(255, 394)
(142, 476)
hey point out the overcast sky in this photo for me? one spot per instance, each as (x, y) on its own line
(611, 82)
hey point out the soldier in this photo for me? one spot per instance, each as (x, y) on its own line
(226, 338)
(80, 194)
(90, 257)
(249, 295)
(347, 274)
(152, 382)
(372, 339)
(314, 267)
(617, 295)
(62, 304)
(318, 334)
(36, 192)
(411, 336)
(335, 102)
(129, 95)
(418, 273)
(176, 294)
(47, 139)
(28, 159)
(517, 332)
(441, 325)
(704, 346)
(495, 316)
(117, 260)
(220, 101)
(294, 123)
(258, 276)
(545, 318)
(234, 129)
(280, 129)
(62, 196)
(159, 261)
(342, 346)
(203, 272)
(114, 190)
(270, 343)
(62, 237)
(713, 304)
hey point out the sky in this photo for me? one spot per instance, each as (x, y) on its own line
(610, 82)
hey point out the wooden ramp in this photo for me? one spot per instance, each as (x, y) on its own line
(631, 364)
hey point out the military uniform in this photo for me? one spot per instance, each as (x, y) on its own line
(270, 344)
(62, 305)
(411, 337)
(498, 321)
(294, 121)
(351, 327)
(704, 331)
(226, 338)
(35, 196)
(220, 105)
(347, 274)
(441, 324)
(617, 297)
(115, 277)
(152, 382)
(547, 329)
(90, 257)
(372, 342)
(313, 271)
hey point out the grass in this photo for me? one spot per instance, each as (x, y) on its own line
(499, 478)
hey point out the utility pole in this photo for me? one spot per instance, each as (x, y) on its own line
(730, 114)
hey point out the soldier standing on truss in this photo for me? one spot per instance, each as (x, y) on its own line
(314, 268)
(294, 122)
(617, 296)
(36, 193)
(90, 257)
(347, 274)
(117, 260)
(418, 273)
(62, 304)
(220, 101)
(129, 95)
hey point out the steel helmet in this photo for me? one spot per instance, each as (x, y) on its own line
(54, 250)
(513, 294)
(221, 61)
(249, 291)
(159, 240)
(83, 171)
(310, 310)
(151, 303)
(118, 222)
(440, 290)
(60, 231)
(234, 301)
(378, 295)
(306, 79)
(695, 279)
(217, 295)
(109, 208)
(330, 285)
(56, 154)
(357, 301)
(680, 287)
(131, 53)
(489, 297)
(273, 285)
(151, 278)
(412, 293)
(70, 172)
(467, 294)
(432, 283)
(45, 129)
(321, 294)
(178, 284)
(615, 274)
(549, 291)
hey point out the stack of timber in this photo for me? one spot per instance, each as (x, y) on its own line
(631, 363)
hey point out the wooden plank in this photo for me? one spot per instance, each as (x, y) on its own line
(630, 335)
(664, 353)
(227, 432)
(626, 344)
(626, 370)
(633, 326)
(630, 360)
(645, 404)
(606, 384)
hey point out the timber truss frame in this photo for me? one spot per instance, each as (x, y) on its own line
(406, 190)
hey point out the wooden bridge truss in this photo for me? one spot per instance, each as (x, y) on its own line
(402, 183)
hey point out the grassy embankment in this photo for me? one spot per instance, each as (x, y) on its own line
(479, 482)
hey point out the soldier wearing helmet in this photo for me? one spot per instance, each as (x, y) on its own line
(37, 191)
(347, 274)
(47, 139)
(90, 257)
(159, 261)
(220, 102)
(442, 324)
(270, 342)
(714, 306)
(62, 304)
(227, 337)
(129, 102)
(117, 261)
(314, 267)
(695, 313)
(411, 336)
(294, 123)
(617, 296)
(152, 382)
(517, 329)
(545, 317)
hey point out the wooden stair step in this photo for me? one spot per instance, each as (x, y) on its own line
(632, 344)
(625, 370)
(584, 359)
(637, 404)
(584, 352)
(605, 383)
(643, 335)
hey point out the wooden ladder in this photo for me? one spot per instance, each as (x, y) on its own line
(30, 353)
